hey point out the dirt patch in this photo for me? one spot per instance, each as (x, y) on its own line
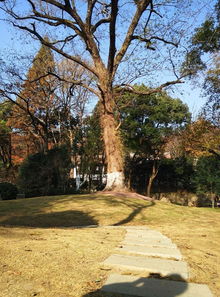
(126, 195)
(54, 262)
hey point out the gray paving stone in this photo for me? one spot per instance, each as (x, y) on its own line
(161, 238)
(144, 233)
(154, 265)
(149, 287)
(141, 233)
(148, 241)
(149, 251)
(136, 228)
(133, 237)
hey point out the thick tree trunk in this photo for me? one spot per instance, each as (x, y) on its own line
(113, 147)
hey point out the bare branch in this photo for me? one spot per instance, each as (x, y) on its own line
(90, 7)
(59, 51)
(148, 41)
(112, 46)
(141, 7)
(173, 66)
(131, 89)
(72, 82)
(7, 94)
(99, 23)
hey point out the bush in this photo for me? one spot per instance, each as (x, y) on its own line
(45, 173)
(8, 191)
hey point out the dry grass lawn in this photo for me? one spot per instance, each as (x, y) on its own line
(39, 257)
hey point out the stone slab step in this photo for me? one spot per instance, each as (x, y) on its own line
(161, 238)
(143, 233)
(148, 241)
(149, 287)
(154, 265)
(162, 252)
(136, 227)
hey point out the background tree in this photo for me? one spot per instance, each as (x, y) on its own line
(93, 156)
(5, 135)
(34, 107)
(100, 36)
(147, 123)
(205, 40)
(201, 138)
(211, 109)
(72, 106)
(207, 177)
(204, 56)
(45, 173)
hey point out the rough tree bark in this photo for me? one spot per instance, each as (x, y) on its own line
(112, 143)
(114, 153)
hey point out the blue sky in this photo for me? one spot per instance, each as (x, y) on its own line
(10, 40)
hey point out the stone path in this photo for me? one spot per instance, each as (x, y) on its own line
(148, 251)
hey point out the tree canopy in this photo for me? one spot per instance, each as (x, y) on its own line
(148, 121)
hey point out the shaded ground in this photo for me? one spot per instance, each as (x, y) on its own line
(196, 231)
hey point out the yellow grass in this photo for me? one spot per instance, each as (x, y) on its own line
(69, 258)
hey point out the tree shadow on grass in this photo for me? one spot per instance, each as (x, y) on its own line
(33, 213)
(143, 286)
(49, 220)
(135, 206)
(136, 209)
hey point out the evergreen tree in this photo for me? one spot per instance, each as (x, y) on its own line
(147, 122)
(33, 114)
(207, 176)
(5, 135)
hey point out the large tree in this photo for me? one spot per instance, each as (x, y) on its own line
(102, 36)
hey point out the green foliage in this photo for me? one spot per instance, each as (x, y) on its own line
(149, 119)
(205, 46)
(8, 191)
(207, 177)
(193, 63)
(45, 173)
(147, 123)
(211, 109)
(173, 175)
(206, 39)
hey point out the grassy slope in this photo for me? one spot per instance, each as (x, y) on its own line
(196, 231)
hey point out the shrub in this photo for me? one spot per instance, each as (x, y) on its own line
(45, 173)
(8, 191)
